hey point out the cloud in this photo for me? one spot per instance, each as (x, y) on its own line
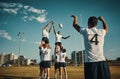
(7, 5)
(5, 35)
(11, 11)
(28, 13)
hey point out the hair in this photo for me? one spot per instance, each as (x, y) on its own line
(92, 21)
(58, 32)
(64, 50)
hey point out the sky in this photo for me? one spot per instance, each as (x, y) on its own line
(30, 16)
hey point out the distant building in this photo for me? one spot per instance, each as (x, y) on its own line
(2, 59)
(27, 61)
(21, 60)
(77, 57)
(74, 57)
(80, 57)
(12, 59)
(7, 58)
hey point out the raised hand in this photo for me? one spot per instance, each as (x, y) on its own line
(101, 18)
(73, 16)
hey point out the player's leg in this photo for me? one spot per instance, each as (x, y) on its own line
(65, 72)
(45, 73)
(41, 67)
(48, 73)
(45, 70)
(56, 48)
(61, 46)
(56, 69)
(60, 70)
(40, 73)
(47, 66)
(55, 72)
(103, 70)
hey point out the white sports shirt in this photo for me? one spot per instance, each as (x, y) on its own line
(58, 37)
(62, 57)
(41, 55)
(45, 33)
(57, 57)
(46, 53)
(94, 41)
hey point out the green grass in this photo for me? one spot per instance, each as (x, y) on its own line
(33, 71)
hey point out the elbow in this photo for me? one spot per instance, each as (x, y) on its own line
(106, 29)
(74, 25)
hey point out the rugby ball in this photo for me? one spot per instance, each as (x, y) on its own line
(61, 26)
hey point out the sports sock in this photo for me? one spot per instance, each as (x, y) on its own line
(55, 76)
(45, 75)
(66, 76)
(60, 76)
(40, 77)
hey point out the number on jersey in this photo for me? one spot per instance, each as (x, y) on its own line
(94, 39)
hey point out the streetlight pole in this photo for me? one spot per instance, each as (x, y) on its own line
(19, 40)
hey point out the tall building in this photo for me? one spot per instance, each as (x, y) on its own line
(12, 59)
(78, 57)
(2, 59)
(74, 57)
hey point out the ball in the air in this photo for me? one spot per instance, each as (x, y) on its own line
(61, 26)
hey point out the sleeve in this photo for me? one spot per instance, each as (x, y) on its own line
(56, 34)
(82, 30)
(103, 32)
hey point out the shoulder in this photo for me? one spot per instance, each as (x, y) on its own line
(102, 31)
(82, 30)
(49, 49)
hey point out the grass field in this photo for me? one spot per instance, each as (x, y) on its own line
(32, 72)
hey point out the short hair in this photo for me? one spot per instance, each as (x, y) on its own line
(93, 21)
(64, 50)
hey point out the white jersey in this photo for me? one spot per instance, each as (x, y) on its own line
(58, 37)
(46, 53)
(94, 41)
(62, 57)
(57, 57)
(45, 33)
(41, 55)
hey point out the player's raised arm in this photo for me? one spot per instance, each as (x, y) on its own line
(54, 29)
(65, 37)
(47, 25)
(105, 26)
(51, 26)
(75, 23)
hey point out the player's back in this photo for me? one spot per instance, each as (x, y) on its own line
(94, 41)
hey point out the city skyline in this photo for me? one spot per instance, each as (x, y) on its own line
(31, 16)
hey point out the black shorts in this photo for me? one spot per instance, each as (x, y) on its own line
(46, 64)
(58, 43)
(96, 70)
(45, 39)
(62, 64)
(41, 64)
(57, 66)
